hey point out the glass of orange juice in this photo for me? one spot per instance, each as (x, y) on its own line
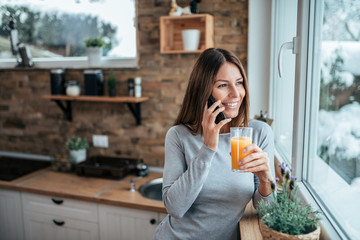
(240, 138)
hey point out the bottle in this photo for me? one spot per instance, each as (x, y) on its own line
(138, 87)
(142, 169)
(131, 87)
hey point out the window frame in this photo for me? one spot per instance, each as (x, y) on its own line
(281, 151)
(304, 48)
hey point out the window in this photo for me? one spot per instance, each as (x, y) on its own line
(333, 170)
(326, 130)
(55, 31)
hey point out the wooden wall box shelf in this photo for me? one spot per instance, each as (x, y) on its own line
(132, 102)
(171, 27)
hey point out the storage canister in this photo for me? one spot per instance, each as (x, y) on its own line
(57, 81)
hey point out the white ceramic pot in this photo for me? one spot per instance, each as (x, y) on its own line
(94, 56)
(73, 88)
(73, 91)
(78, 155)
(191, 39)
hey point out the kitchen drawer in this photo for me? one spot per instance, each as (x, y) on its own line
(63, 207)
(44, 226)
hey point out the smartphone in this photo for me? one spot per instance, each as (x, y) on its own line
(221, 116)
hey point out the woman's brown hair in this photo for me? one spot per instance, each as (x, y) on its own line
(201, 84)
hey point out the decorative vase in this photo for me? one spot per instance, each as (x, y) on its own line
(94, 56)
(268, 233)
(78, 155)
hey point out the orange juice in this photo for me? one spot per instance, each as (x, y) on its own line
(237, 146)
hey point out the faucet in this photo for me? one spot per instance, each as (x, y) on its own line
(132, 183)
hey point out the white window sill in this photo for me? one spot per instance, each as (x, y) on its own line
(25, 155)
(336, 192)
(78, 62)
(327, 229)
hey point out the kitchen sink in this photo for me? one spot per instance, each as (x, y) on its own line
(152, 189)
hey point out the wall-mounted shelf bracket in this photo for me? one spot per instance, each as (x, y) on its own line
(66, 109)
(136, 111)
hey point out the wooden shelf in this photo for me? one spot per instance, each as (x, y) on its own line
(132, 102)
(123, 99)
(171, 27)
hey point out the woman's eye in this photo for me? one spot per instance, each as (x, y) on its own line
(222, 85)
(240, 83)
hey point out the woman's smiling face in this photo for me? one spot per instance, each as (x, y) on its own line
(229, 88)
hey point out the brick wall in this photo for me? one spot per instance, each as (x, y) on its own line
(30, 124)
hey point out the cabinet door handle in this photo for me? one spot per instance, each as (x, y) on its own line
(152, 221)
(59, 223)
(57, 201)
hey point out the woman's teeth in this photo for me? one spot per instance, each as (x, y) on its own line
(230, 104)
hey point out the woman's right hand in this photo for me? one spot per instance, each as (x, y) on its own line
(211, 130)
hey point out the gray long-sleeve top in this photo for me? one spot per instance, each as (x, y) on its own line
(203, 197)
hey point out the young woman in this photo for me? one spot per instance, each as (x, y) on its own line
(203, 197)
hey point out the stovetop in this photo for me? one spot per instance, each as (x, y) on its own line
(12, 168)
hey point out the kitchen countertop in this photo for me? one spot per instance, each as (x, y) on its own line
(99, 190)
(108, 191)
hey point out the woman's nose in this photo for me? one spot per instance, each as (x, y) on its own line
(234, 92)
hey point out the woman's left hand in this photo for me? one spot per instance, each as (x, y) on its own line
(258, 163)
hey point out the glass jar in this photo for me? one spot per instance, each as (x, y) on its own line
(73, 88)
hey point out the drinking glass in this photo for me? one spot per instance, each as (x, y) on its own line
(240, 138)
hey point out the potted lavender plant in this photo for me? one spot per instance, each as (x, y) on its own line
(286, 217)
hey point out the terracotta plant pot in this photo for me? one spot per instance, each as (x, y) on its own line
(268, 233)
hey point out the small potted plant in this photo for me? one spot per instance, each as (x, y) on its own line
(286, 217)
(77, 148)
(112, 84)
(94, 47)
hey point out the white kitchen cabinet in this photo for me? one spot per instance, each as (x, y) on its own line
(11, 218)
(125, 223)
(48, 217)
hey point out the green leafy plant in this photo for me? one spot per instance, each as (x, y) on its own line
(94, 42)
(77, 143)
(286, 213)
(111, 80)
